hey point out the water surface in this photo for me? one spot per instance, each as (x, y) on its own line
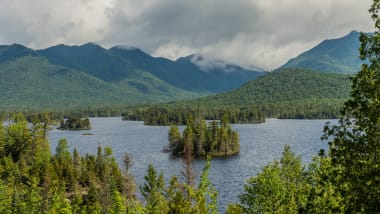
(259, 144)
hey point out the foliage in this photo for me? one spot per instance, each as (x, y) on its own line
(323, 197)
(34, 181)
(281, 187)
(354, 141)
(153, 190)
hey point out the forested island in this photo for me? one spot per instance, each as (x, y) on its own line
(164, 115)
(75, 123)
(202, 139)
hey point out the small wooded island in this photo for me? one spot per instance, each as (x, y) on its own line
(214, 139)
(75, 123)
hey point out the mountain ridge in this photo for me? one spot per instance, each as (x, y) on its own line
(339, 55)
(47, 78)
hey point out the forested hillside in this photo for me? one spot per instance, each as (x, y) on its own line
(289, 93)
(122, 63)
(32, 83)
(339, 55)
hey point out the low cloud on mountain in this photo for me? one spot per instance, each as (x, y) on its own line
(263, 33)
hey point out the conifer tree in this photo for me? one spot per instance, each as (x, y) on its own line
(153, 190)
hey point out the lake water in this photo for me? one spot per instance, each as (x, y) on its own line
(259, 145)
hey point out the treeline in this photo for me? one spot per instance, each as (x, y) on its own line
(167, 115)
(176, 113)
(201, 139)
(305, 109)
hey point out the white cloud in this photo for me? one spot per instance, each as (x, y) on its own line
(265, 33)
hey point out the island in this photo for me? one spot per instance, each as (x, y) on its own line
(215, 139)
(75, 123)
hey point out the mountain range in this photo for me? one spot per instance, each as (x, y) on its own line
(90, 75)
(63, 77)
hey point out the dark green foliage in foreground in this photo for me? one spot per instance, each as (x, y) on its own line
(281, 187)
(75, 123)
(286, 186)
(201, 139)
(164, 115)
(354, 141)
(34, 181)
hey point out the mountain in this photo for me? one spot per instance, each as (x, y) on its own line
(201, 72)
(336, 56)
(64, 77)
(121, 63)
(29, 81)
(284, 92)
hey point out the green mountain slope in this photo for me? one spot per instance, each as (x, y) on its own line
(121, 63)
(286, 93)
(32, 83)
(336, 56)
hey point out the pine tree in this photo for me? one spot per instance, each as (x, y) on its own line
(153, 190)
(174, 138)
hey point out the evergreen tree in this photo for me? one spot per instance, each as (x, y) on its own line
(153, 191)
(174, 138)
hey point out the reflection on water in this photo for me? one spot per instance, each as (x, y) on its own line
(259, 144)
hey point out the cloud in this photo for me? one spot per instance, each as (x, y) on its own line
(265, 33)
(41, 23)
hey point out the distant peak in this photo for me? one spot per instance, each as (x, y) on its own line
(353, 33)
(15, 45)
(126, 47)
(92, 44)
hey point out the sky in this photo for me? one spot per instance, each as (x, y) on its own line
(259, 33)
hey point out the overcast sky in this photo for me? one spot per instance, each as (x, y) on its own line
(264, 33)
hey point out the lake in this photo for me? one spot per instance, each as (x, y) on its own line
(259, 145)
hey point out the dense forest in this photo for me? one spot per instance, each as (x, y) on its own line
(200, 139)
(287, 93)
(168, 115)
